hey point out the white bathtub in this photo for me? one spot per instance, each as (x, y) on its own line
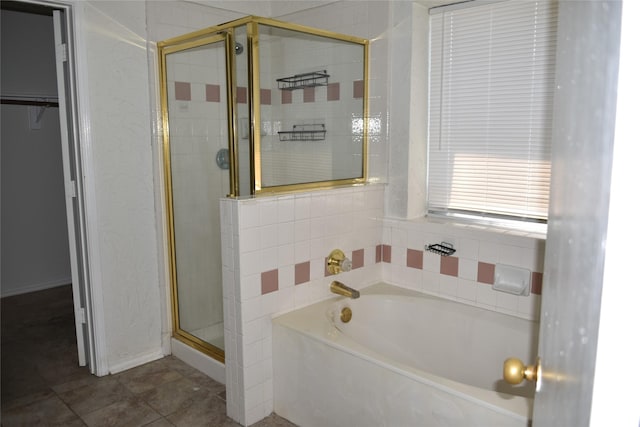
(404, 360)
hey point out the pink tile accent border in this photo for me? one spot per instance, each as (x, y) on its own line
(358, 89)
(302, 272)
(183, 91)
(241, 95)
(333, 92)
(309, 94)
(265, 96)
(212, 93)
(414, 259)
(378, 253)
(386, 253)
(449, 265)
(269, 281)
(357, 258)
(536, 283)
(486, 273)
(286, 97)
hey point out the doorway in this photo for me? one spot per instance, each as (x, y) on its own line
(43, 232)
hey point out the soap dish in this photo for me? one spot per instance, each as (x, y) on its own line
(442, 249)
(512, 280)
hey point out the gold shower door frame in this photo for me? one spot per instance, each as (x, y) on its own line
(165, 49)
(225, 32)
(251, 23)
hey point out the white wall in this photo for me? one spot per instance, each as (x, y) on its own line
(114, 81)
(35, 246)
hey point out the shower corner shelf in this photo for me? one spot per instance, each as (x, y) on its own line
(442, 249)
(315, 132)
(300, 81)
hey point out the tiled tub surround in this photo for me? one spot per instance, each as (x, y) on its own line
(274, 251)
(468, 274)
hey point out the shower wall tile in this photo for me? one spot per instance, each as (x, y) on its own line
(241, 95)
(309, 94)
(286, 96)
(213, 93)
(358, 89)
(333, 91)
(265, 96)
(182, 91)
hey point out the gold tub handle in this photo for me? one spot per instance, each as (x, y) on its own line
(346, 314)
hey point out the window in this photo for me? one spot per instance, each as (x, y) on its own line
(492, 72)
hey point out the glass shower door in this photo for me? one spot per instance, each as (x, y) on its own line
(197, 170)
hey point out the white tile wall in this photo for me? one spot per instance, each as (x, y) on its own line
(248, 322)
(473, 244)
(314, 224)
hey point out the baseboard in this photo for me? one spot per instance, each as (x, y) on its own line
(136, 361)
(34, 287)
(205, 364)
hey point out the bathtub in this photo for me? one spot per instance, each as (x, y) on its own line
(405, 359)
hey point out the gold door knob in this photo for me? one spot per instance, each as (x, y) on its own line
(514, 371)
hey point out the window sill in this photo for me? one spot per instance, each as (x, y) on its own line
(537, 231)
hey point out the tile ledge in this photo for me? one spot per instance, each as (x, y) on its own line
(473, 226)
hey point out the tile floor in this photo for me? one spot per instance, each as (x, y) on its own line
(42, 384)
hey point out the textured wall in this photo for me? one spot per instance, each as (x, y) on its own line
(119, 136)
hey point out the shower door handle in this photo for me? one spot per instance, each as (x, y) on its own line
(222, 158)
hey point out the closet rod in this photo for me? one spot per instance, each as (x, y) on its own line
(13, 101)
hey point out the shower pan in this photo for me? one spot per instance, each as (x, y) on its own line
(249, 108)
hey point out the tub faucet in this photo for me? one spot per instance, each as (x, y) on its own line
(342, 289)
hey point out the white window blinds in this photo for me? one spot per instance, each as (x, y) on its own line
(492, 70)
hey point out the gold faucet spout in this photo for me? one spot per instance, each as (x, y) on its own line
(344, 290)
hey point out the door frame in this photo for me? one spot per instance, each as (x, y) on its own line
(80, 145)
(164, 49)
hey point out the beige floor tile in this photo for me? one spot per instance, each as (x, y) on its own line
(147, 377)
(91, 397)
(130, 412)
(50, 412)
(210, 411)
(42, 384)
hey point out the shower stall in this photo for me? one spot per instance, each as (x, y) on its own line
(251, 107)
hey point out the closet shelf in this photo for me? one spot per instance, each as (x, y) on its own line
(316, 132)
(300, 81)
